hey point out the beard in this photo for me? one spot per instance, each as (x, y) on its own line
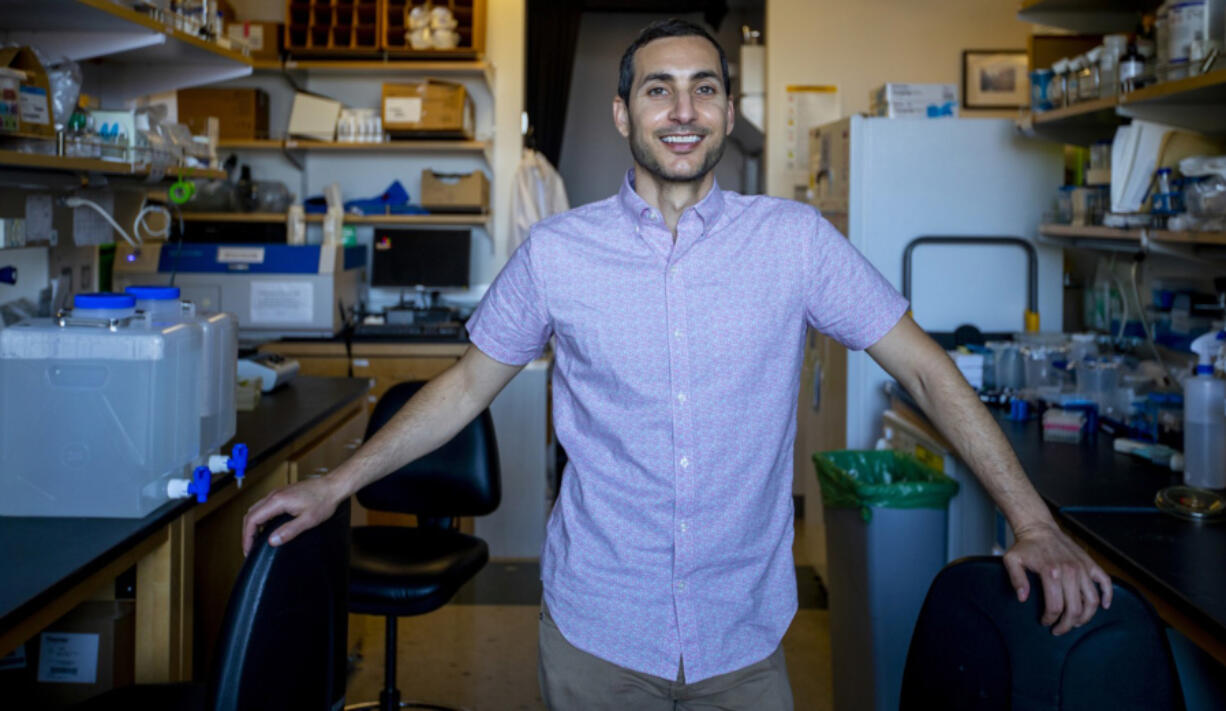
(640, 149)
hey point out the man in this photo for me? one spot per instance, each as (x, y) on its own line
(679, 312)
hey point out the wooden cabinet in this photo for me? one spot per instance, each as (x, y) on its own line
(323, 358)
(389, 363)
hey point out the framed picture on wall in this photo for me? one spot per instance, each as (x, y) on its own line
(995, 79)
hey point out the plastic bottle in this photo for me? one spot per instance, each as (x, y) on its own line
(1204, 418)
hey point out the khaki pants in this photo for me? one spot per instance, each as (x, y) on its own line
(573, 680)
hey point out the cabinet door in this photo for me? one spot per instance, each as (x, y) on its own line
(386, 372)
(323, 455)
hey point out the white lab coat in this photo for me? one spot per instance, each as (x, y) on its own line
(539, 193)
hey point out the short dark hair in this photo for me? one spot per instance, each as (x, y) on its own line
(659, 30)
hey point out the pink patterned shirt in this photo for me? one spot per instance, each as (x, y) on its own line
(674, 393)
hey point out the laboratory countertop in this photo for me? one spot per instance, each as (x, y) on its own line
(43, 557)
(1087, 484)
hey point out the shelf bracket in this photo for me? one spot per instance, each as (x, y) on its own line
(1190, 254)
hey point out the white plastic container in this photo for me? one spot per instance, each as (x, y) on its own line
(219, 364)
(1204, 418)
(100, 408)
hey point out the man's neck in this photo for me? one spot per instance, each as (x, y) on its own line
(671, 199)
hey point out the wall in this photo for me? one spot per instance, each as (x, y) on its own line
(594, 155)
(860, 45)
(498, 109)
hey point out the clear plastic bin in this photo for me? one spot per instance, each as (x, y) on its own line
(101, 407)
(219, 364)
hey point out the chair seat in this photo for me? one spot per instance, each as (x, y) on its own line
(401, 571)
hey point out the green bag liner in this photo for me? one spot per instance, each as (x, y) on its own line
(853, 479)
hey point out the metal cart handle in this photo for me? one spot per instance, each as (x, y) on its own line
(1032, 267)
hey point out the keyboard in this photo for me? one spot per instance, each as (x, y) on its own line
(445, 331)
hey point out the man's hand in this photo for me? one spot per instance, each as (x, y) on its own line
(1068, 576)
(310, 502)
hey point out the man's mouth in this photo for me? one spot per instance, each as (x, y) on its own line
(681, 142)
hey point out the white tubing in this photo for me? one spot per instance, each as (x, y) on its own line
(80, 201)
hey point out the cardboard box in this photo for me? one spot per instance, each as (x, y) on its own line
(88, 651)
(313, 116)
(432, 108)
(33, 93)
(455, 192)
(899, 100)
(241, 112)
(263, 39)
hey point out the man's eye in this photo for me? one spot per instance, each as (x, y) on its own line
(706, 90)
(655, 91)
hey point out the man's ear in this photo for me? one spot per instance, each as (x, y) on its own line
(621, 116)
(731, 117)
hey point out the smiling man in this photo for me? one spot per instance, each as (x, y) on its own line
(679, 311)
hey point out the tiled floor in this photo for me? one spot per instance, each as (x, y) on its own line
(482, 657)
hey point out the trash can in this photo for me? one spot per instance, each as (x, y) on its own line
(885, 515)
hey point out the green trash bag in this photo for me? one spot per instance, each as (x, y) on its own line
(853, 479)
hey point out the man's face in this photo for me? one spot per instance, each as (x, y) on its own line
(679, 113)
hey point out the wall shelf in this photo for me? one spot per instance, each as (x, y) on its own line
(1098, 232)
(403, 146)
(414, 67)
(62, 164)
(136, 55)
(473, 220)
(1086, 16)
(1195, 103)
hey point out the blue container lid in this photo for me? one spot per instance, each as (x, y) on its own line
(154, 293)
(103, 301)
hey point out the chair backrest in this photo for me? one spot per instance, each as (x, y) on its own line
(976, 647)
(283, 640)
(461, 478)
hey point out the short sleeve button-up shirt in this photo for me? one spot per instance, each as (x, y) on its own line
(675, 385)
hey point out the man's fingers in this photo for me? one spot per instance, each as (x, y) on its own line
(289, 530)
(265, 509)
(1070, 588)
(1104, 584)
(1053, 596)
(1089, 597)
(1017, 576)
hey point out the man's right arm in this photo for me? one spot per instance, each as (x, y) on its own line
(429, 420)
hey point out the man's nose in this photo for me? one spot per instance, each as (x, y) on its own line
(683, 108)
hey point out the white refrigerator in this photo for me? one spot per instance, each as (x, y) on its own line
(883, 183)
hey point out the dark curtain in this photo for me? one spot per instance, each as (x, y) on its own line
(553, 32)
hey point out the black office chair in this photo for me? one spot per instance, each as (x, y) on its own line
(399, 571)
(976, 647)
(283, 639)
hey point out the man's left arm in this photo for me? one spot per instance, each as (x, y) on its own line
(1067, 572)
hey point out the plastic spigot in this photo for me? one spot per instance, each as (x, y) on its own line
(8, 275)
(202, 481)
(238, 462)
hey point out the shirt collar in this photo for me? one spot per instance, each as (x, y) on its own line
(708, 208)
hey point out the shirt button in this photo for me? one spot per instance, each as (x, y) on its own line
(681, 397)
(677, 333)
(685, 463)
(681, 586)
(683, 527)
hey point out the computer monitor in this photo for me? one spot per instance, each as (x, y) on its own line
(431, 258)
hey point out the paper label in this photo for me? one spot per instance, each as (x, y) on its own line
(361, 363)
(34, 108)
(68, 657)
(402, 109)
(240, 255)
(15, 659)
(282, 302)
